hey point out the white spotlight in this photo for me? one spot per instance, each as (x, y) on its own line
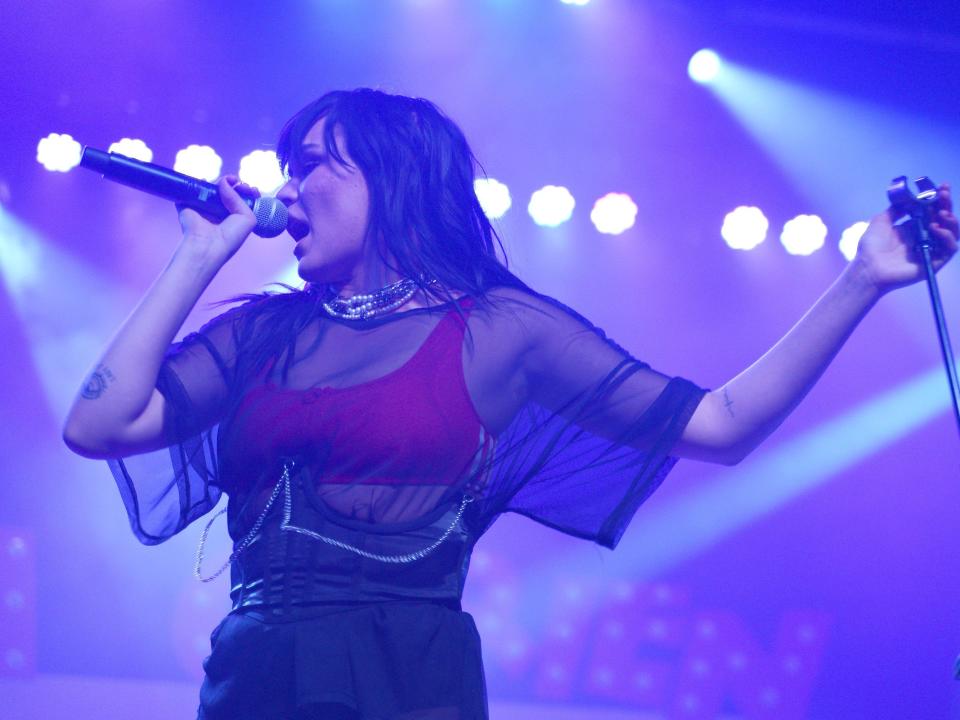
(58, 153)
(261, 169)
(614, 213)
(745, 227)
(21, 257)
(803, 235)
(494, 197)
(551, 205)
(574, 2)
(199, 161)
(704, 66)
(850, 239)
(132, 148)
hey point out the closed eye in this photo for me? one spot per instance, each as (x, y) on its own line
(302, 168)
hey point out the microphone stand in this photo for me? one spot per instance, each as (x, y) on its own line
(920, 208)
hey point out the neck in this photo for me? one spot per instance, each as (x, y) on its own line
(366, 277)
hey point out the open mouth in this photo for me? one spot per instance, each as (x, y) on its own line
(297, 228)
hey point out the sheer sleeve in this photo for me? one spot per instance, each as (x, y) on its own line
(593, 439)
(164, 491)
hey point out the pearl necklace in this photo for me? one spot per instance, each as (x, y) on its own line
(364, 306)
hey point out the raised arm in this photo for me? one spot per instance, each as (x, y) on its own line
(734, 419)
(118, 411)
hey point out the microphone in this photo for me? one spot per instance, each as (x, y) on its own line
(191, 192)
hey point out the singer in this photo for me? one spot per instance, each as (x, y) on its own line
(370, 428)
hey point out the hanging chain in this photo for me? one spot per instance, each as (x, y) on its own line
(404, 558)
(284, 484)
(247, 539)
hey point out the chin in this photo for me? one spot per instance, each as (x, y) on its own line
(325, 274)
(312, 276)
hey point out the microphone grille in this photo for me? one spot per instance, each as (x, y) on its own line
(271, 217)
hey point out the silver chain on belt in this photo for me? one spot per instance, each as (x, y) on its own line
(284, 484)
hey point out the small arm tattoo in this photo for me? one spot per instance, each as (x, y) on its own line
(727, 402)
(97, 383)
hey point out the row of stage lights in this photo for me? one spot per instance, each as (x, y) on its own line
(743, 229)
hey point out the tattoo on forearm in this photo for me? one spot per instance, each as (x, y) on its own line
(97, 383)
(727, 402)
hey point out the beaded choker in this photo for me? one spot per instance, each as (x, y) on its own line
(364, 306)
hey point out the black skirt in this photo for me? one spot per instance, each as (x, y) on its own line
(373, 661)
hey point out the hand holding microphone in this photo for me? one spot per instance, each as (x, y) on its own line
(211, 237)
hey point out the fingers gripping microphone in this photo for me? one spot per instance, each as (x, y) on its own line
(191, 192)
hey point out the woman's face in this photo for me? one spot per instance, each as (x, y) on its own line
(329, 208)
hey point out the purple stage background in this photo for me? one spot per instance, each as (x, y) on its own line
(818, 579)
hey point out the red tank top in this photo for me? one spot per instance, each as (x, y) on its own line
(415, 425)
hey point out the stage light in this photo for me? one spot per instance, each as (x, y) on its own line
(551, 205)
(574, 2)
(704, 66)
(494, 197)
(261, 169)
(58, 153)
(20, 256)
(745, 227)
(132, 148)
(803, 235)
(61, 336)
(850, 239)
(614, 213)
(199, 161)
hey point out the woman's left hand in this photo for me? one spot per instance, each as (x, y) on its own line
(887, 253)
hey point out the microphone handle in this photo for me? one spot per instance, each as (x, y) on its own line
(160, 181)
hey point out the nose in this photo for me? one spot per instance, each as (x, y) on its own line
(289, 193)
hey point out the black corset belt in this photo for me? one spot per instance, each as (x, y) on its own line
(282, 572)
